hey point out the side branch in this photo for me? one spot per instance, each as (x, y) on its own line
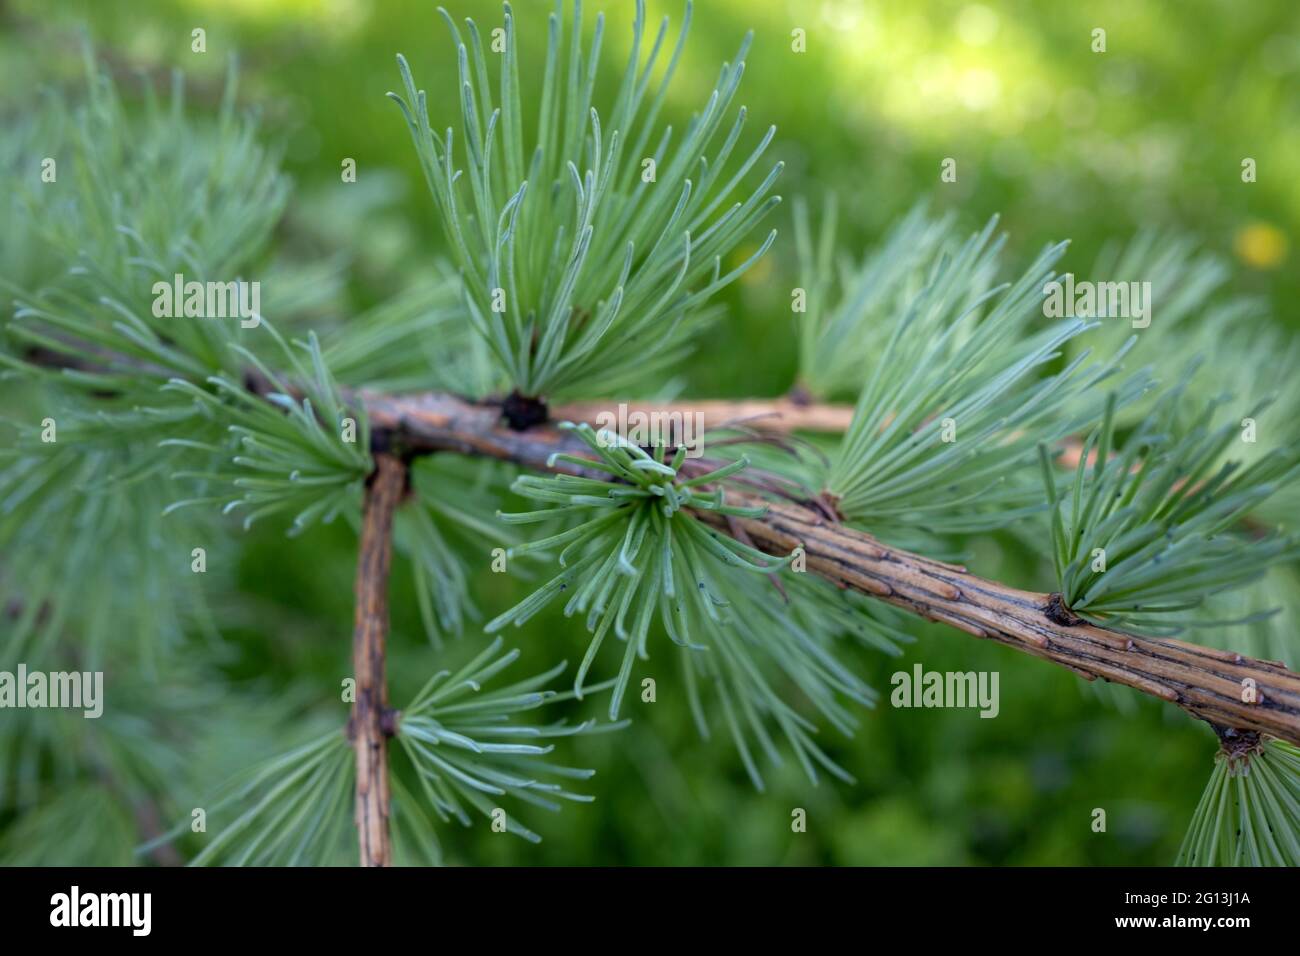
(772, 415)
(1221, 687)
(371, 721)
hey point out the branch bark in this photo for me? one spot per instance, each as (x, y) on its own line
(784, 414)
(1209, 684)
(371, 721)
(1221, 687)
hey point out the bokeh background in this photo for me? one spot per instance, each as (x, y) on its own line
(1060, 141)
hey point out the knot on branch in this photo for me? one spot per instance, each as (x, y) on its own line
(521, 412)
(1058, 612)
(1238, 746)
(799, 395)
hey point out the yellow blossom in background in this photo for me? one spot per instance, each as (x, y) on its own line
(1260, 245)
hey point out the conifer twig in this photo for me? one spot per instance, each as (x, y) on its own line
(786, 414)
(1220, 687)
(372, 722)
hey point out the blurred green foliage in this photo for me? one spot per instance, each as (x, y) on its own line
(1061, 141)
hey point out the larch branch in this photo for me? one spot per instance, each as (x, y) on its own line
(1209, 684)
(371, 721)
(1221, 687)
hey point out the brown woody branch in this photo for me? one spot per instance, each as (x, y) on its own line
(786, 414)
(1228, 690)
(1223, 688)
(371, 723)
